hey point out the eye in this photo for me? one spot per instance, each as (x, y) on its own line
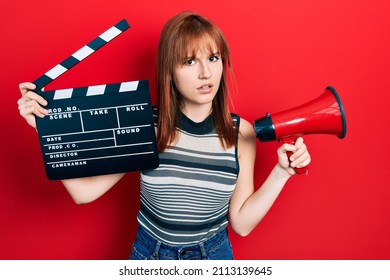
(214, 58)
(189, 61)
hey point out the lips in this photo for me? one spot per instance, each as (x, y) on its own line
(206, 88)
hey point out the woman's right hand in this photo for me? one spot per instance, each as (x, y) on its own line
(30, 104)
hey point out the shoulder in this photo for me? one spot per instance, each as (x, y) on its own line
(246, 146)
(246, 139)
(246, 134)
(246, 129)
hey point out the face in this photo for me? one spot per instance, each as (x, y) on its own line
(198, 78)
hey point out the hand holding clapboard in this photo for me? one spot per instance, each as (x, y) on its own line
(96, 130)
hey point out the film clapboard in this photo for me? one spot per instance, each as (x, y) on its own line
(99, 129)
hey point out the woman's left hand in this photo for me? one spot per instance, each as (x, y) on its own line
(300, 156)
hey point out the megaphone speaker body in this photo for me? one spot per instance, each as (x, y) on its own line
(323, 115)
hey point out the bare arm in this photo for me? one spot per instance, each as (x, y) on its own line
(247, 208)
(88, 189)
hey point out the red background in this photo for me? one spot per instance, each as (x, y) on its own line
(284, 54)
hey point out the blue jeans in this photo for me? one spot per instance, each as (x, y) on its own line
(146, 247)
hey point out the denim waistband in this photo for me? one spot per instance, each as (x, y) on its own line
(201, 250)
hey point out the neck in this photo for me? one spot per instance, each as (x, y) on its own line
(197, 113)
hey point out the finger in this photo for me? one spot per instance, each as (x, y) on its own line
(300, 148)
(301, 160)
(299, 142)
(26, 101)
(26, 86)
(32, 107)
(30, 111)
(298, 152)
(26, 97)
(282, 155)
(22, 100)
(287, 148)
(305, 162)
(34, 96)
(30, 95)
(24, 112)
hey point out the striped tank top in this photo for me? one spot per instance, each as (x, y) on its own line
(186, 199)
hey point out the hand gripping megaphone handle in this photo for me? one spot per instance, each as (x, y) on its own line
(291, 140)
(322, 115)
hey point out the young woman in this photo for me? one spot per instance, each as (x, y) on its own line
(207, 154)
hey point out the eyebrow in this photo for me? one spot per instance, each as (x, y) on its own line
(217, 53)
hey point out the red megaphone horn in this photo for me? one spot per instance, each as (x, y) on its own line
(323, 115)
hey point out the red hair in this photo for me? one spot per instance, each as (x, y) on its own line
(183, 34)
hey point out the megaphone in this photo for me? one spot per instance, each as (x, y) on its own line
(323, 115)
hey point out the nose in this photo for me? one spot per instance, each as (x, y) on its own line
(204, 71)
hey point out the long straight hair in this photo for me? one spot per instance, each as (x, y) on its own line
(184, 34)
